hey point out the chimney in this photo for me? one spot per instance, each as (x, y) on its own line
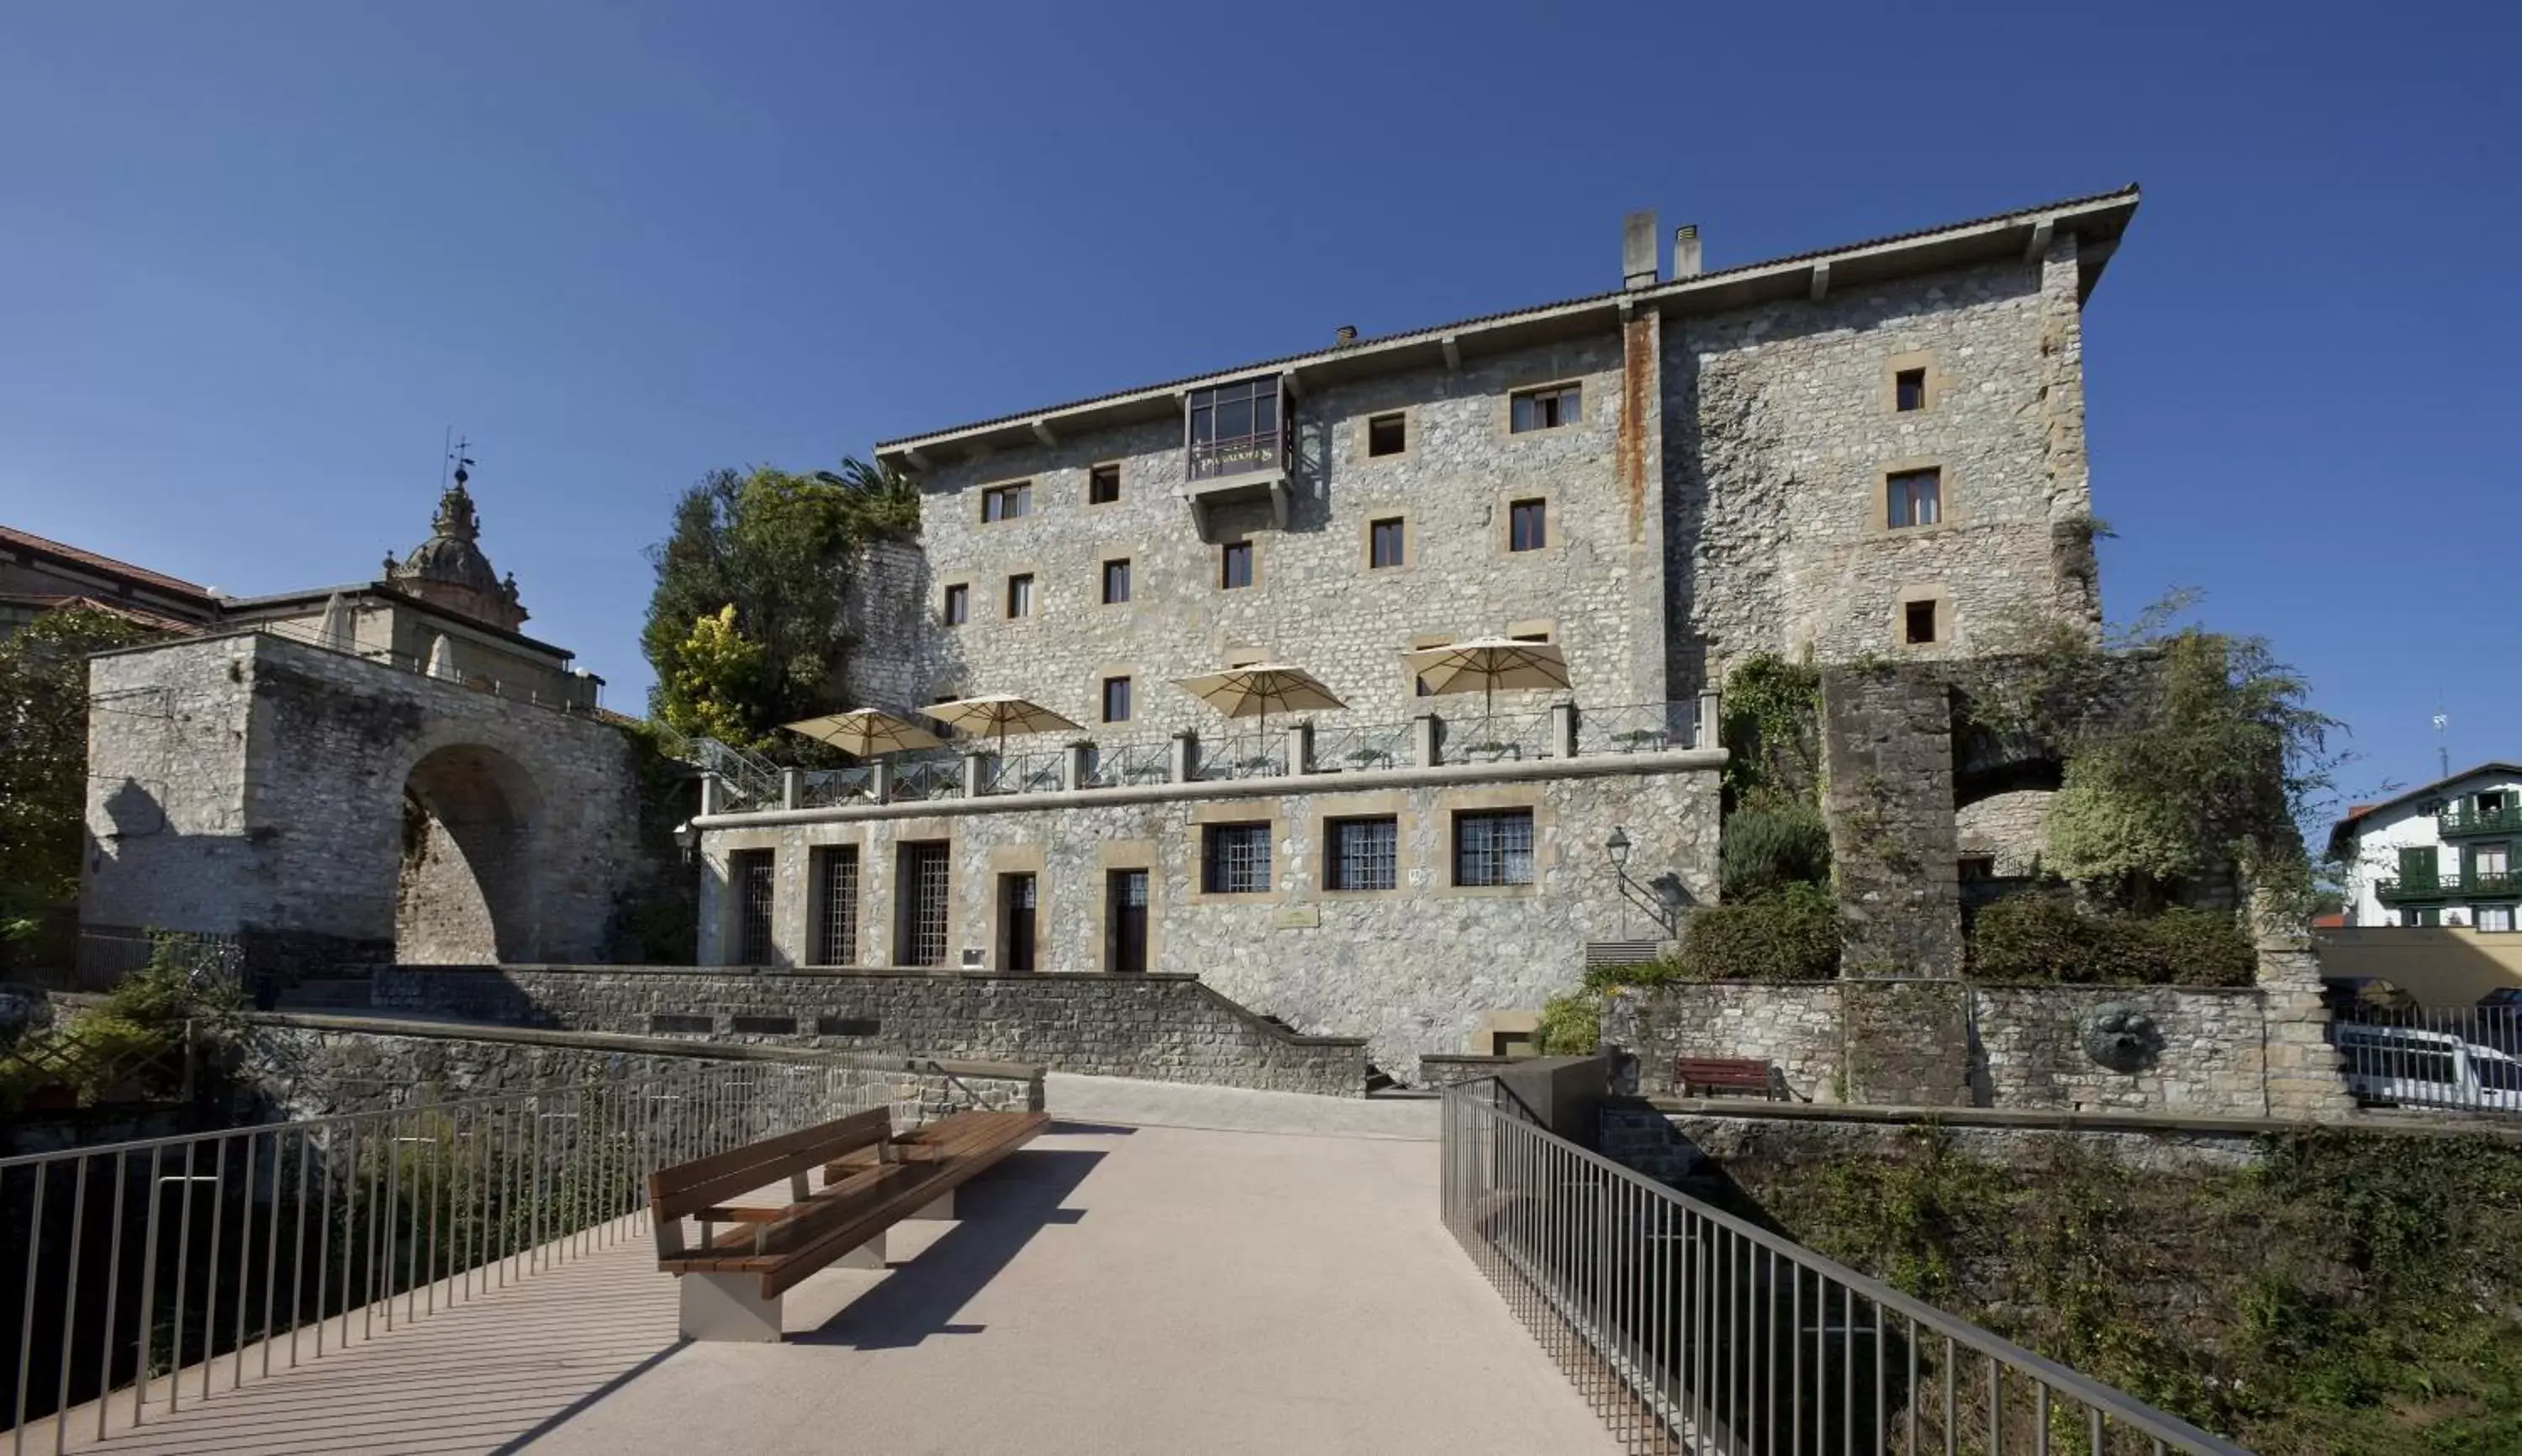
(1638, 250)
(1343, 336)
(1685, 250)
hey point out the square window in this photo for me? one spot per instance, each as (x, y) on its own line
(1386, 545)
(1020, 596)
(1493, 847)
(1545, 408)
(1007, 503)
(1387, 434)
(2489, 860)
(1116, 700)
(1235, 858)
(1235, 565)
(1918, 623)
(1527, 526)
(1103, 484)
(2495, 917)
(1365, 854)
(1116, 582)
(958, 604)
(1914, 497)
(1909, 390)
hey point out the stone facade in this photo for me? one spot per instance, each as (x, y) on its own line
(309, 1067)
(1165, 1029)
(1412, 968)
(1887, 792)
(253, 786)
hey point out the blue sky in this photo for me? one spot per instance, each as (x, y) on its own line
(254, 258)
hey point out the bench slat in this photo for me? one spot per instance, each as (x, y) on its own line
(687, 1187)
(995, 1141)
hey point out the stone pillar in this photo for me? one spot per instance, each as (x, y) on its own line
(713, 794)
(1300, 748)
(1072, 767)
(1562, 729)
(1887, 766)
(973, 772)
(1182, 756)
(1422, 739)
(880, 781)
(2304, 1079)
(792, 788)
(1711, 719)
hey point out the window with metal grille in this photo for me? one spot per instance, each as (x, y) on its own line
(1103, 484)
(836, 919)
(1235, 859)
(1365, 854)
(1493, 847)
(750, 870)
(1528, 527)
(1235, 564)
(1545, 408)
(1116, 700)
(1915, 498)
(1020, 596)
(958, 604)
(925, 887)
(1007, 502)
(1386, 542)
(1116, 582)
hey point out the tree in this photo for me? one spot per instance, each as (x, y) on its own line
(43, 756)
(776, 548)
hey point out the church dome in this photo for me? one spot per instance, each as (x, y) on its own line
(450, 569)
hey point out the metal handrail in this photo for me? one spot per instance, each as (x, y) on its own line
(1355, 748)
(388, 1214)
(1039, 773)
(1636, 727)
(1692, 1330)
(1115, 764)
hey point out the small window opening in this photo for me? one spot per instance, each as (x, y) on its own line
(1909, 390)
(1387, 434)
(1918, 620)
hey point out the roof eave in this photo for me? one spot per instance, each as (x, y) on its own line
(2096, 222)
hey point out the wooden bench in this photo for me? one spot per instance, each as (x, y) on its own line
(731, 1280)
(1697, 1076)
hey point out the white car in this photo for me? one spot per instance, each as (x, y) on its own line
(2404, 1066)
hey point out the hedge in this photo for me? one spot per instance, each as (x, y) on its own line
(2049, 938)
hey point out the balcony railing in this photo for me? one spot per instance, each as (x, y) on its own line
(2414, 890)
(1357, 748)
(928, 778)
(1246, 756)
(1641, 727)
(1024, 773)
(825, 788)
(1117, 765)
(2468, 819)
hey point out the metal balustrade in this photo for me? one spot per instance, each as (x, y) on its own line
(1242, 756)
(2453, 1058)
(928, 778)
(1365, 747)
(141, 1276)
(1043, 773)
(826, 788)
(1115, 765)
(1689, 1330)
(1637, 727)
(1519, 737)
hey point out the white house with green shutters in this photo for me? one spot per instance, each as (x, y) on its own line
(2447, 853)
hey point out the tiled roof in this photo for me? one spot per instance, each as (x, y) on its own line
(1608, 296)
(50, 602)
(26, 541)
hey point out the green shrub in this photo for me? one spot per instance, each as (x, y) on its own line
(2048, 938)
(1772, 727)
(1572, 1024)
(1768, 849)
(1792, 934)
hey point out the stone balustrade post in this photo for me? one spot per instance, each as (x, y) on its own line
(1711, 719)
(880, 781)
(1184, 756)
(1422, 739)
(1562, 729)
(1073, 767)
(1300, 748)
(713, 794)
(792, 788)
(975, 774)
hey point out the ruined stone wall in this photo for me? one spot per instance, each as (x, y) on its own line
(1162, 1027)
(1412, 968)
(249, 784)
(1781, 429)
(1314, 601)
(1887, 793)
(2009, 828)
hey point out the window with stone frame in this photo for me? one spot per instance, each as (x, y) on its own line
(957, 608)
(1914, 497)
(1918, 623)
(1116, 700)
(1386, 542)
(1116, 582)
(1365, 854)
(1909, 390)
(1387, 434)
(1020, 595)
(1235, 565)
(1103, 484)
(1493, 847)
(1235, 858)
(1007, 503)
(1527, 526)
(1545, 408)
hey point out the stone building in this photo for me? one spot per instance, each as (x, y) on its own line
(1877, 450)
(359, 773)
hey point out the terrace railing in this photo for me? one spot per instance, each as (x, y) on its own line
(138, 1277)
(1520, 738)
(1362, 747)
(1692, 1331)
(928, 778)
(1115, 764)
(1242, 756)
(1040, 773)
(826, 788)
(1639, 727)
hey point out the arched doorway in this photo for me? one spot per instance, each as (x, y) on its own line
(467, 888)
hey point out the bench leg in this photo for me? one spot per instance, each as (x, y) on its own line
(867, 1255)
(729, 1306)
(941, 1206)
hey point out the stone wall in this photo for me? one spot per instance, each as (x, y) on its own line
(253, 786)
(1414, 969)
(1164, 1027)
(311, 1066)
(2009, 828)
(1888, 769)
(2202, 1052)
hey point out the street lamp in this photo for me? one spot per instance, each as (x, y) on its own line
(1616, 850)
(686, 839)
(1617, 847)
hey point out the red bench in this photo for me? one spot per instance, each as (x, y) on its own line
(1707, 1076)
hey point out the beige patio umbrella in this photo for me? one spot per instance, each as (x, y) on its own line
(864, 732)
(1258, 689)
(999, 712)
(1489, 664)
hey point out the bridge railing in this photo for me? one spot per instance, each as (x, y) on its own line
(1689, 1330)
(137, 1277)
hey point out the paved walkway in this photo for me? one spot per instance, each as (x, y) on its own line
(1115, 1289)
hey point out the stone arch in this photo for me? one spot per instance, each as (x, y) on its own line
(468, 887)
